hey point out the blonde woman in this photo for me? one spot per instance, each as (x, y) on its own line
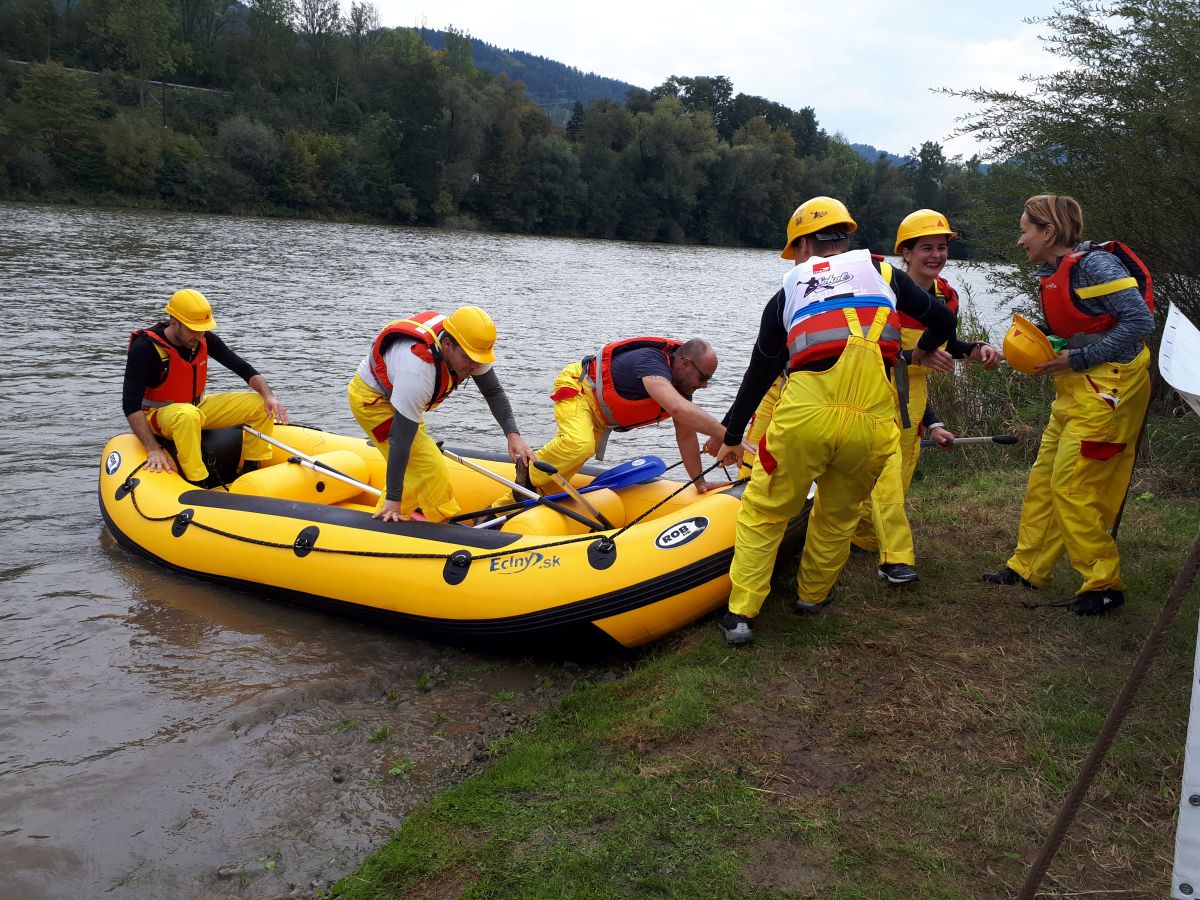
(1097, 300)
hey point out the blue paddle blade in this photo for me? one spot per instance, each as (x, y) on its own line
(626, 474)
(635, 471)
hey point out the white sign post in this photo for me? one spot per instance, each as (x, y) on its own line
(1179, 362)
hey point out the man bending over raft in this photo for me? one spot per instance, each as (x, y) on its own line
(166, 368)
(413, 365)
(628, 384)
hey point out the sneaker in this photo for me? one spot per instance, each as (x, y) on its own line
(210, 481)
(898, 573)
(1009, 578)
(804, 608)
(736, 628)
(1096, 603)
(856, 550)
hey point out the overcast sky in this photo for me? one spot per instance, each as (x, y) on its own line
(865, 66)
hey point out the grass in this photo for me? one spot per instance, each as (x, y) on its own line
(906, 744)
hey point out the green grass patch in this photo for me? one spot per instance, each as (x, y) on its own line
(913, 743)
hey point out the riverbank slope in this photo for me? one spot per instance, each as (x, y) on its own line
(912, 743)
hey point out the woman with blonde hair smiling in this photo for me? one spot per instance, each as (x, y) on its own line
(1098, 308)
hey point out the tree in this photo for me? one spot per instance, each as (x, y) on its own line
(272, 39)
(458, 52)
(575, 123)
(318, 21)
(1117, 128)
(362, 30)
(141, 31)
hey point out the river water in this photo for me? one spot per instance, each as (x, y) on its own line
(160, 737)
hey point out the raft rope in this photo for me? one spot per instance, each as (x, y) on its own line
(130, 489)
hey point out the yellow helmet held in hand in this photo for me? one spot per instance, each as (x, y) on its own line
(921, 223)
(1025, 346)
(192, 309)
(814, 216)
(474, 331)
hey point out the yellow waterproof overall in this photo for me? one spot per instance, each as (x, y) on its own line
(838, 428)
(579, 430)
(183, 422)
(884, 524)
(1082, 472)
(761, 420)
(426, 478)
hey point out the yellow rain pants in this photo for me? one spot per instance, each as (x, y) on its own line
(579, 431)
(884, 524)
(761, 420)
(183, 422)
(426, 478)
(837, 428)
(1082, 472)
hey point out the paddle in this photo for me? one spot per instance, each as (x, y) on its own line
(592, 524)
(994, 439)
(627, 474)
(552, 471)
(311, 462)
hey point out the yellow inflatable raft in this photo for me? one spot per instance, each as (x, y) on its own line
(295, 533)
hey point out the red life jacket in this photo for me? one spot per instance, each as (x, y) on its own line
(944, 292)
(617, 411)
(182, 381)
(425, 329)
(1063, 315)
(823, 333)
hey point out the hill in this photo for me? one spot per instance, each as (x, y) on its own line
(870, 154)
(552, 85)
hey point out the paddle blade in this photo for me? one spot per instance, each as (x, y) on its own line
(635, 471)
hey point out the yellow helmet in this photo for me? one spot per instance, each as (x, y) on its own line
(192, 309)
(814, 216)
(474, 331)
(1025, 346)
(921, 223)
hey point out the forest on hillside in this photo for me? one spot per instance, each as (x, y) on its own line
(301, 107)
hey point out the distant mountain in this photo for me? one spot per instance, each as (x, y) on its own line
(869, 153)
(551, 85)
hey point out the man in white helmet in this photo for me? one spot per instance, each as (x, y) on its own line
(166, 369)
(413, 365)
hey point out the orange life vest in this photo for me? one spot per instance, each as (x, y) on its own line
(819, 330)
(1063, 315)
(425, 328)
(182, 381)
(944, 292)
(619, 412)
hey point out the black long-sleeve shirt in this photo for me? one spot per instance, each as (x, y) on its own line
(144, 368)
(770, 354)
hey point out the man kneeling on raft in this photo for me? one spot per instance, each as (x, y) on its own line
(628, 384)
(414, 364)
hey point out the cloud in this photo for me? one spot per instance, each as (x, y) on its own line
(867, 67)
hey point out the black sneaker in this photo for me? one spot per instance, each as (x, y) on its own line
(856, 550)
(804, 608)
(736, 628)
(1096, 603)
(1009, 578)
(898, 573)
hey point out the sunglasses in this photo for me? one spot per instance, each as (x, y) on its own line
(704, 376)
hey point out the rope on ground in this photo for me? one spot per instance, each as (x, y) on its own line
(1116, 715)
